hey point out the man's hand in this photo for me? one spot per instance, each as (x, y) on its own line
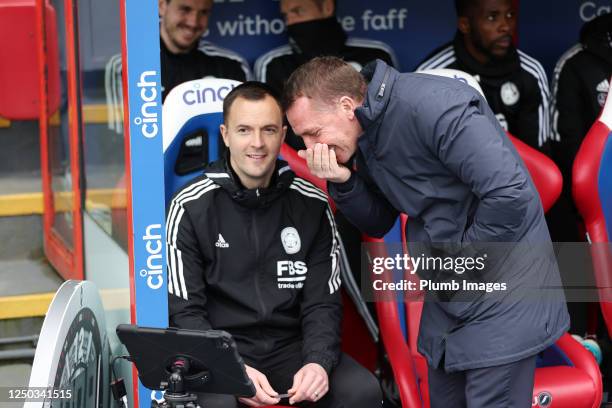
(264, 393)
(321, 161)
(309, 384)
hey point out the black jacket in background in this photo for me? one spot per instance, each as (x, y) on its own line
(580, 86)
(524, 114)
(204, 60)
(260, 264)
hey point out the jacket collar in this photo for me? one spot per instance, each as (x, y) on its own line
(381, 79)
(222, 174)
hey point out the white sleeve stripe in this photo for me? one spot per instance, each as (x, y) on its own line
(179, 215)
(170, 284)
(261, 65)
(304, 191)
(283, 169)
(535, 64)
(181, 275)
(543, 113)
(176, 202)
(439, 64)
(173, 266)
(434, 61)
(176, 207)
(334, 279)
(175, 215)
(374, 44)
(216, 51)
(309, 187)
(172, 257)
(555, 83)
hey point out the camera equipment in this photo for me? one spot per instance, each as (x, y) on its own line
(181, 362)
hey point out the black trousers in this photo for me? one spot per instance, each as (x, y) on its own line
(508, 386)
(350, 386)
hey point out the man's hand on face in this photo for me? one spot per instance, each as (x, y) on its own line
(264, 393)
(310, 383)
(321, 161)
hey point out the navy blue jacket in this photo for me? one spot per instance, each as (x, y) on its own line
(432, 148)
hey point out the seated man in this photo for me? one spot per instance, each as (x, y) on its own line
(514, 84)
(580, 88)
(314, 31)
(183, 56)
(253, 250)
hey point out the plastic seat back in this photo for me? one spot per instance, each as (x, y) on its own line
(191, 115)
(592, 191)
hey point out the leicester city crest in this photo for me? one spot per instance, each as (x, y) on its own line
(510, 93)
(291, 240)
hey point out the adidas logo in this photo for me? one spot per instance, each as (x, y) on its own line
(221, 242)
(603, 86)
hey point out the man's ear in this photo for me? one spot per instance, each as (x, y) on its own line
(162, 7)
(463, 24)
(347, 106)
(328, 8)
(284, 133)
(224, 134)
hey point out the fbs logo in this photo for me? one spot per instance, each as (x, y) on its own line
(291, 274)
(221, 243)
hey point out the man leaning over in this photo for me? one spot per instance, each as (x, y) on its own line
(432, 148)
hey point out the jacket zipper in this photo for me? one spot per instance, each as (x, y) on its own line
(381, 90)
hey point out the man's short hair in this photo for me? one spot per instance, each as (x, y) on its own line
(251, 91)
(319, 3)
(464, 7)
(325, 79)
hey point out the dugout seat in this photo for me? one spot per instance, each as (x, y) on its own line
(566, 372)
(592, 192)
(191, 115)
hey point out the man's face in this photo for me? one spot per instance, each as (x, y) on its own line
(335, 126)
(300, 11)
(491, 26)
(183, 22)
(253, 133)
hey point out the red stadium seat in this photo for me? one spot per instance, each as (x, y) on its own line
(544, 172)
(576, 384)
(19, 76)
(356, 340)
(592, 191)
